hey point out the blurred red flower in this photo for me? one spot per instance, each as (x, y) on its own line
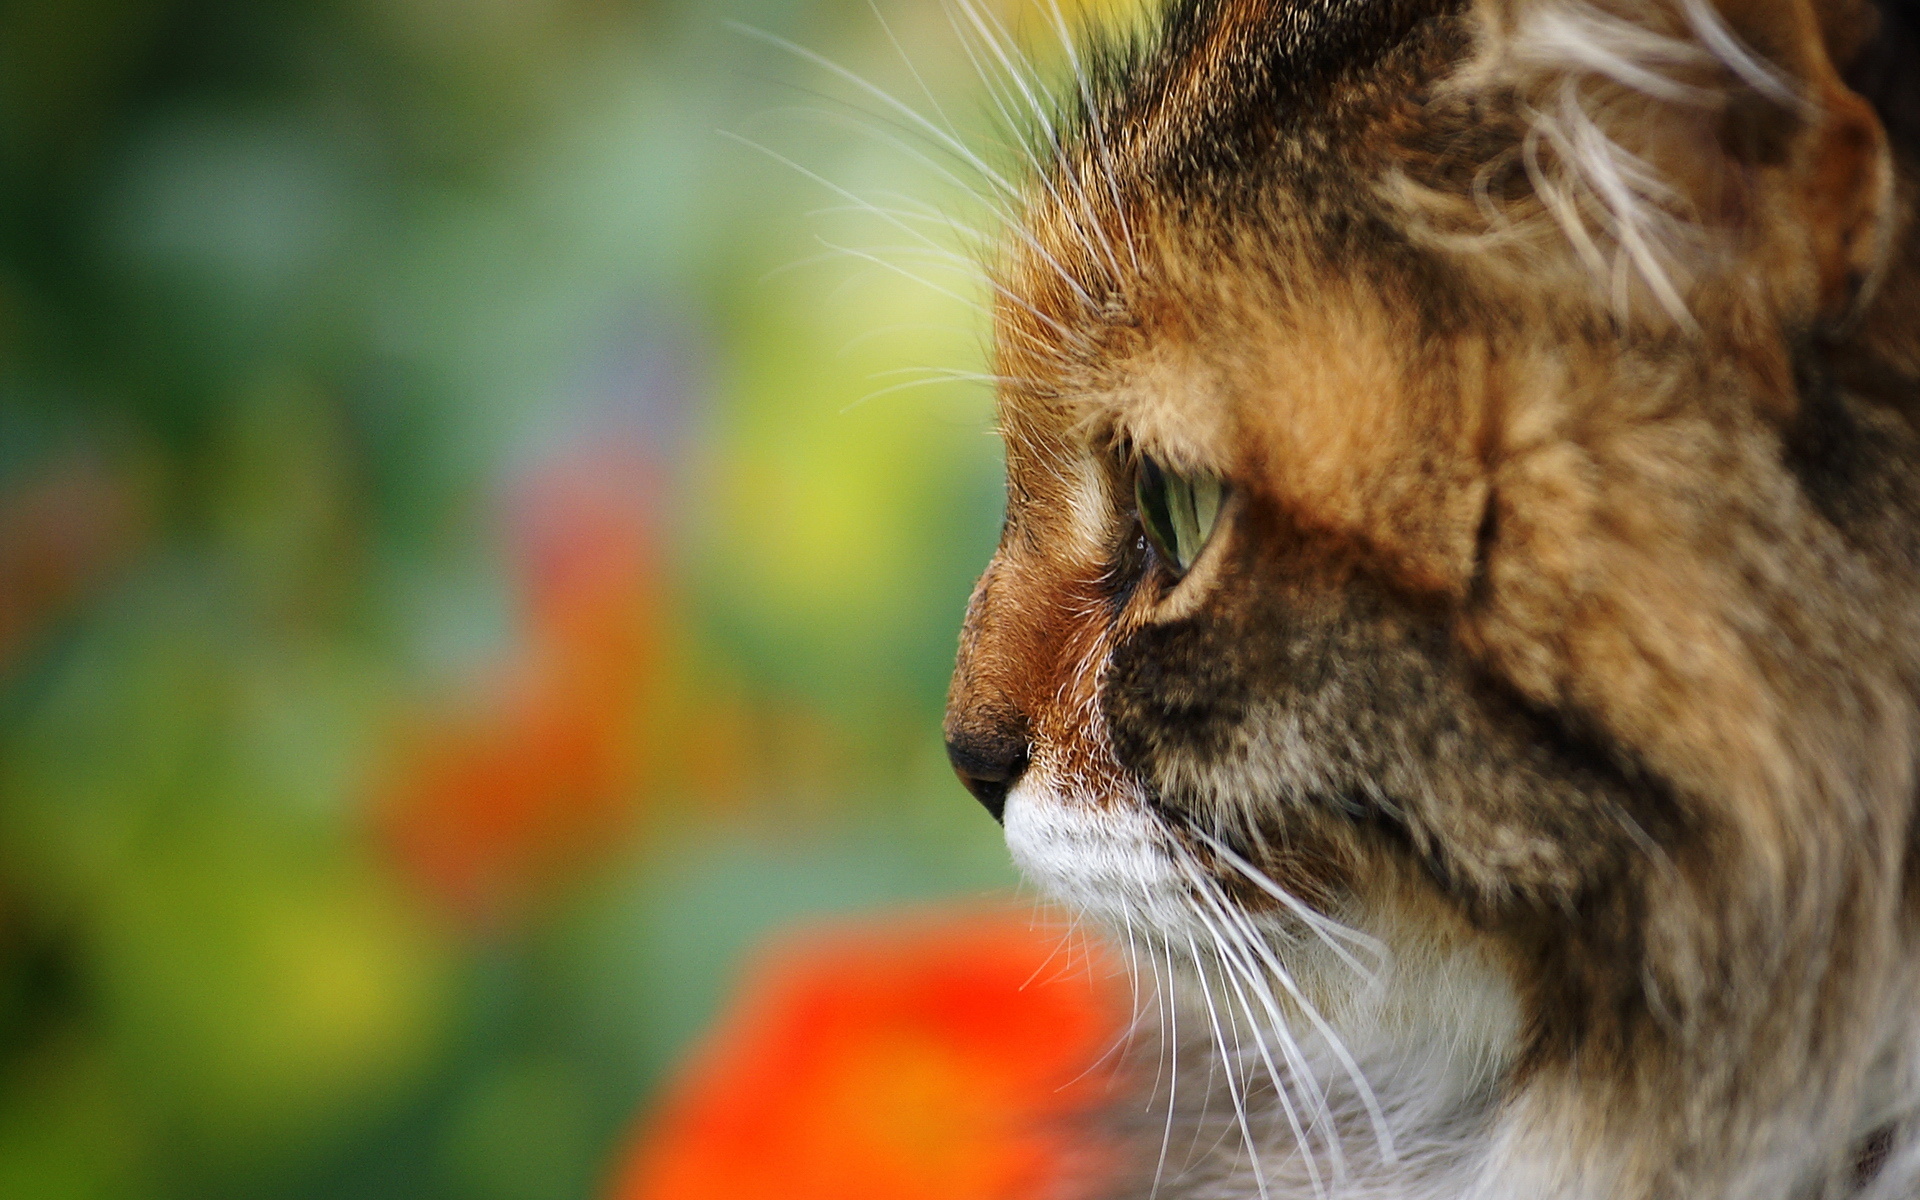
(953, 1058)
(64, 527)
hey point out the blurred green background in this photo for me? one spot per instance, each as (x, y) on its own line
(467, 570)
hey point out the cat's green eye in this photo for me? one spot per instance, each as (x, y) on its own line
(1177, 511)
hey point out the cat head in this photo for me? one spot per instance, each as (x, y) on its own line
(1427, 489)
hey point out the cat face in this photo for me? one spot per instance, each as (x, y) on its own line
(1317, 677)
(1529, 588)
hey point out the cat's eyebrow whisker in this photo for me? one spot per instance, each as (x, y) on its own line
(1002, 105)
(978, 241)
(896, 268)
(800, 264)
(904, 214)
(1017, 70)
(861, 123)
(861, 339)
(895, 216)
(916, 208)
(999, 289)
(919, 80)
(893, 136)
(952, 260)
(1098, 128)
(954, 374)
(912, 114)
(850, 197)
(1006, 48)
(892, 389)
(1011, 63)
(1035, 344)
(947, 257)
(1005, 105)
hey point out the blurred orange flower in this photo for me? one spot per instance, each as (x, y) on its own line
(953, 1058)
(491, 799)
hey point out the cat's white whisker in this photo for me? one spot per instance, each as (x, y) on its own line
(1059, 943)
(1134, 953)
(1233, 1081)
(1237, 932)
(1328, 930)
(1233, 969)
(1243, 937)
(1133, 973)
(1382, 1128)
(1173, 1076)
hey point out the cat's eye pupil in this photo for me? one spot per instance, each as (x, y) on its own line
(1177, 511)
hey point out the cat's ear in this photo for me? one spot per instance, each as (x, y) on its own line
(1693, 155)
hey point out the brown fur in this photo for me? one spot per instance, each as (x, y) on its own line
(1578, 629)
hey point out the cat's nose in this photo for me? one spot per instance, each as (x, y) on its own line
(988, 767)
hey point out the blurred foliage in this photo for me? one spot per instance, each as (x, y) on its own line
(458, 585)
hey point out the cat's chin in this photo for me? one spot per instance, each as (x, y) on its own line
(1107, 855)
(1424, 1007)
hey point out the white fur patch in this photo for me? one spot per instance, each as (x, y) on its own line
(1109, 860)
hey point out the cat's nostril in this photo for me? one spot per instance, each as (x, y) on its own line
(988, 769)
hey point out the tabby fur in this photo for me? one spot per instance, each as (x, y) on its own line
(1516, 800)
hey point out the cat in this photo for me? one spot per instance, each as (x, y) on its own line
(1457, 620)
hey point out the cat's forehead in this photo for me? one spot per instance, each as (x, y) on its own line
(1186, 284)
(1337, 414)
(1236, 375)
